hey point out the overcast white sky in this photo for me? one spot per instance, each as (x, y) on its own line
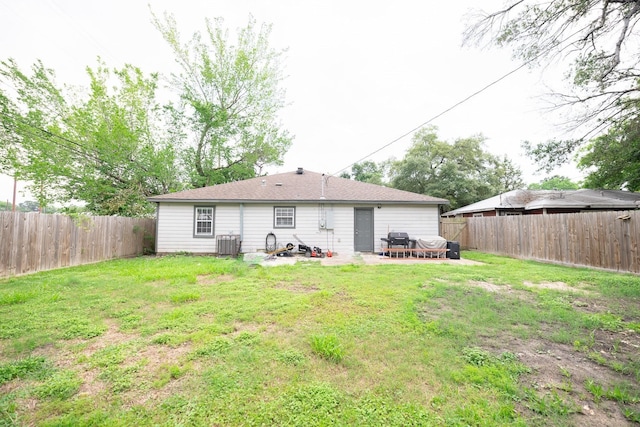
(359, 73)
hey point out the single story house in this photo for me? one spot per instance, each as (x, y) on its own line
(329, 212)
(537, 202)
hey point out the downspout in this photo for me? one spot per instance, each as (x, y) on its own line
(241, 222)
(155, 239)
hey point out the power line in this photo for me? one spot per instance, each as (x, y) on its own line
(436, 116)
(457, 104)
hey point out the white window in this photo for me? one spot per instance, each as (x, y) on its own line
(478, 214)
(284, 217)
(203, 222)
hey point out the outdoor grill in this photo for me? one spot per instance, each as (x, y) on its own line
(396, 238)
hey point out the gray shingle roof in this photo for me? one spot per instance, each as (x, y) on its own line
(559, 199)
(292, 186)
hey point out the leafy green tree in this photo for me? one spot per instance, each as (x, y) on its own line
(369, 171)
(29, 121)
(126, 155)
(612, 160)
(106, 149)
(230, 97)
(596, 39)
(461, 171)
(555, 182)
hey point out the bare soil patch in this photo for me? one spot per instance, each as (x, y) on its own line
(558, 368)
(297, 287)
(212, 279)
(562, 369)
(557, 286)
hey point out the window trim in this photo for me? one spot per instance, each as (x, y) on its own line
(275, 217)
(212, 221)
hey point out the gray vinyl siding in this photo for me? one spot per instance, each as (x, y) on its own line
(175, 225)
(417, 221)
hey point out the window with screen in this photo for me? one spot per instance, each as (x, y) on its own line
(203, 224)
(284, 217)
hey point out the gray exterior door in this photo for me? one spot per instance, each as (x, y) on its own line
(363, 231)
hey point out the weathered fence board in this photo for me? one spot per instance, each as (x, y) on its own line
(31, 242)
(608, 240)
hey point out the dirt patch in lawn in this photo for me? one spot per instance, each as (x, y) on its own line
(297, 287)
(212, 279)
(559, 369)
(557, 286)
(561, 372)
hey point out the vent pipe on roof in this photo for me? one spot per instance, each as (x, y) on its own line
(300, 171)
(322, 187)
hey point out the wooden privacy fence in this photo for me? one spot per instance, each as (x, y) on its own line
(608, 240)
(31, 242)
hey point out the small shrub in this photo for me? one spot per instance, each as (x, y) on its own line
(327, 347)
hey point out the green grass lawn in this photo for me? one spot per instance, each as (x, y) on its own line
(203, 341)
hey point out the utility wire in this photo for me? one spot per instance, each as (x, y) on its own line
(457, 104)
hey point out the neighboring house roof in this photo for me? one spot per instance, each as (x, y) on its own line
(553, 199)
(298, 186)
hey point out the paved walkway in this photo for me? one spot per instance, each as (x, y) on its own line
(364, 258)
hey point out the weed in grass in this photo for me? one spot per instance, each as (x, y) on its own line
(8, 408)
(549, 404)
(476, 356)
(605, 321)
(61, 385)
(632, 415)
(596, 390)
(30, 367)
(623, 393)
(247, 338)
(171, 340)
(561, 336)
(109, 356)
(291, 357)
(119, 379)
(215, 347)
(167, 373)
(15, 298)
(565, 372)
(75, 327)
(598, 358)
(328, 347)
(219, 381)
(130, 322)
(183, 297)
